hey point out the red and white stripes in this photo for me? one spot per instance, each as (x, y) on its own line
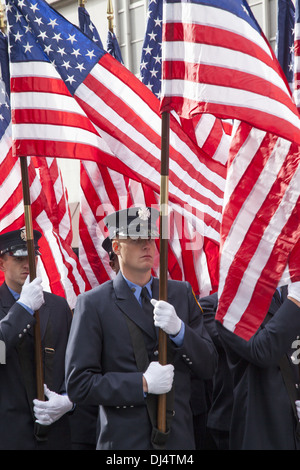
(216, 60)
(260, 226)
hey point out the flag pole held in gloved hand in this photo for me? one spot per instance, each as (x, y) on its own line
(32, 275)
(163, 269)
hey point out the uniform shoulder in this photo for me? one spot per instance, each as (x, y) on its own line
(51, 298)
(182, 285)
(101, 289)
(209, 300)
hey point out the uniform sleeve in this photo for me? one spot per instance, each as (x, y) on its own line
(197, 351)
(271, 341)
(15, 325)
(209, 306)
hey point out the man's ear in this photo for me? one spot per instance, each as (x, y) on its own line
(115, 246)
(2, 268)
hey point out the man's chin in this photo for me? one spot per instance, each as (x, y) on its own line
(146, 266)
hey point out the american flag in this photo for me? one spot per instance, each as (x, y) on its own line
(297, 55)
(104, 188)
(100, 189)
(54, 189)
(198, 266)
(285, 39)
(205, 131)
(238, 75)
(58, 265)
(150, 66)
(100, 194)
(114, 117)
(260, 220)
(89, 29)
(209, 133)
(45, 115)
(5, 77)
(260, 226)
(113, 47)
(87, 26)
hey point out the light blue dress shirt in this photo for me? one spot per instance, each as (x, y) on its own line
(16, 296)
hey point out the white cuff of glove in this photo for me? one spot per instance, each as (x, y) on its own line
(159, 378)
(297, 403)
(49, 411)
(294, 290)
(165, 317)
(32, 294)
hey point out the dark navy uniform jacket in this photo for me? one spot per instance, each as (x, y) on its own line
(17, 332)
(101, 367)
(263, 416)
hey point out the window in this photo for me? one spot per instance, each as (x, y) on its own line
(130, 20)
(265, 11)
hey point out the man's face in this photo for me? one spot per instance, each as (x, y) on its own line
(16, 270)
(136, 256)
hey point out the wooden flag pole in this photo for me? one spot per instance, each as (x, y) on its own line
(163, 270)
(2, 19)
(110, 16)
(32, 275)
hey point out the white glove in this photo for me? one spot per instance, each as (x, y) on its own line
(297, 403)
(32, 294)
(49, 411)
(159, 378)
(165, 317)
(294, 290)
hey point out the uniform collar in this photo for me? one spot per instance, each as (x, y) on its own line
(15, 294)
(136, 289)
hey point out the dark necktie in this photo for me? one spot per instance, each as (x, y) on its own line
(146, 304)
(284, 292)
(277, 298)
(148, 309)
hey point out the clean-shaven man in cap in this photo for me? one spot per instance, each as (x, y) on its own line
(28, 423)
(112, 354)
